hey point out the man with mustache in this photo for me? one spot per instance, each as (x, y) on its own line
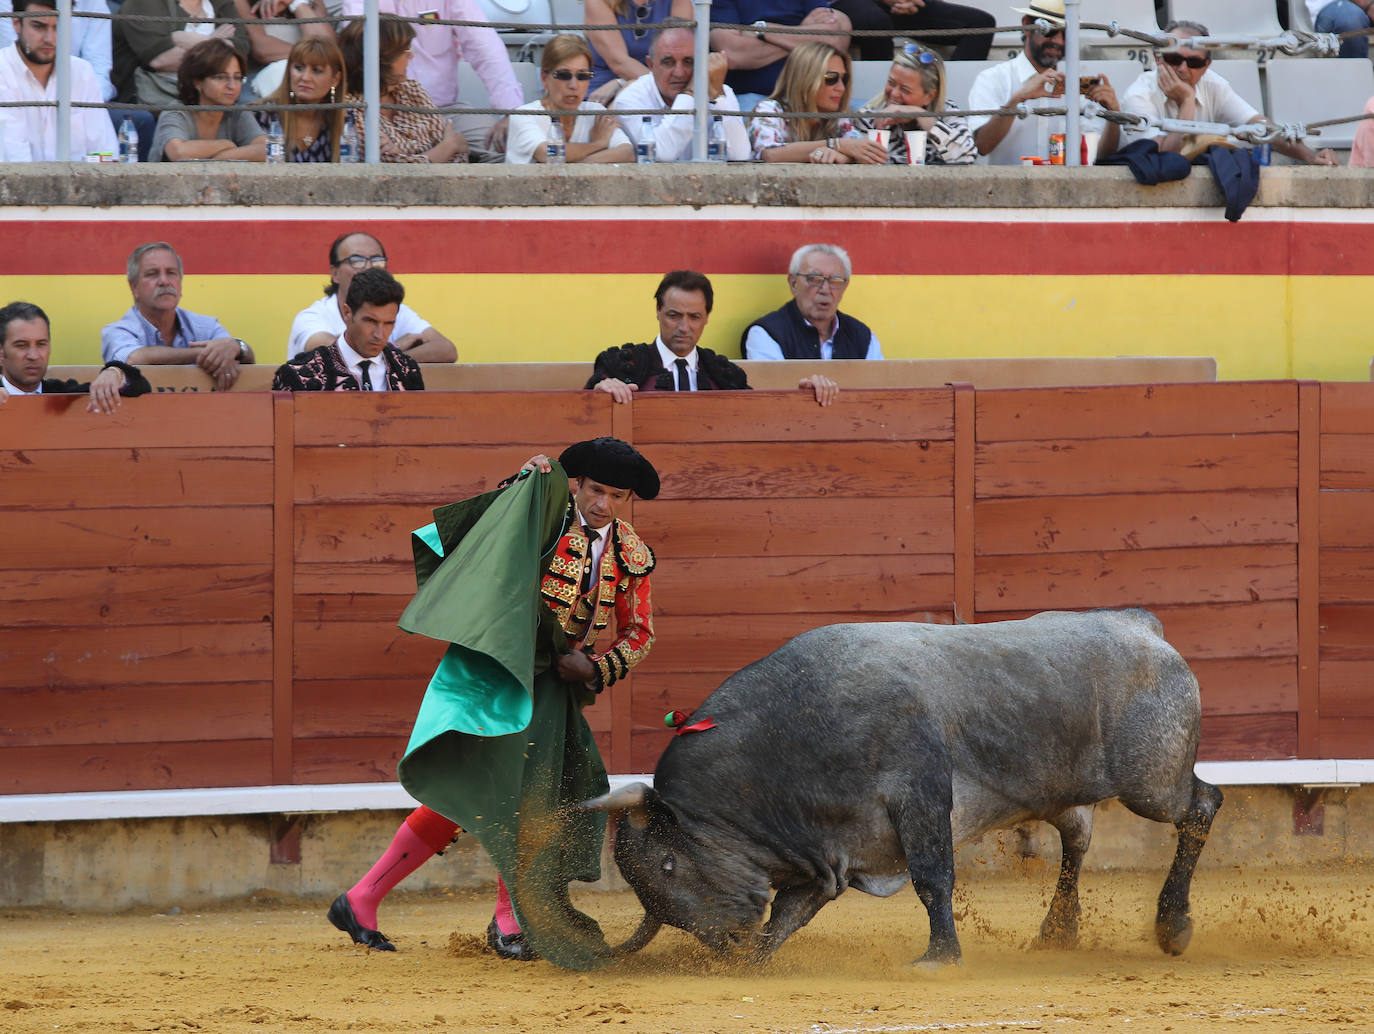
(157, 332)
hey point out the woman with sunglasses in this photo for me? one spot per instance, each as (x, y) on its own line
(814, 78)
(619, 50)
(314, 75)
(404, 136)
(211, 73)
(914, 99)
(593, 136)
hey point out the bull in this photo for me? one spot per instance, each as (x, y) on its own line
(861, 755)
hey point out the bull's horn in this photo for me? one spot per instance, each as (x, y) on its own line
(648, 927)
(632, 795)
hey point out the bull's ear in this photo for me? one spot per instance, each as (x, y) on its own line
(636, 798)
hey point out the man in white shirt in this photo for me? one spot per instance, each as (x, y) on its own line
(669, 85)
(811, 325)
(322, 322)
(1184, 86)
(90, 38)
(26, 74)
(1031, 77)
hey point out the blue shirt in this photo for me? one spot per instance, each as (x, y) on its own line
(132, 331)
(746, 12)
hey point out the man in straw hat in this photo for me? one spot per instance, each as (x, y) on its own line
(1031, 76)
(520, 582)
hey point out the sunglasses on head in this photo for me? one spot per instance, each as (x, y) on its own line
(1178, 60)
(642, 12)
(564, 75)
(919, 53)
(831, 78)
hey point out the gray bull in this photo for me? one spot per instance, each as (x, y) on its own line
(861, 755)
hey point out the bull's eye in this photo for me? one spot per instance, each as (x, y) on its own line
(668, 865)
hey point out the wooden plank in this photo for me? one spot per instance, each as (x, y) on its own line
(1345, 737)
(792, 470)
(1309, 566)
(868, 585)
(428, 475)
(658, 693)
(75, 479)
(354, 532)
(355, 649)
(1144, 578)
(1137, 410)
(387, 578)
(1348, 461)
(149, 714)
(352, 707)
(145, 539)
(1347, 519)
(1115, 466)
(544, 421)
(682, 528)
(359, 606)
(1347, 691)
(1347, 631)
(135, 766)
(645, 749)
(283, 626)
(1347, 575)
(106, 596)
(965, 503)
(1071, 524)
(1347, 407)
(1248, 737)
(133, 655)
(148, 422)
(1247, 685)
(792, 416)
(347, 759)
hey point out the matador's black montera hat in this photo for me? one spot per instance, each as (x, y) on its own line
(612, 462)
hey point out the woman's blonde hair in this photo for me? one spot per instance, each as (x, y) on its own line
(799, 84)
(563, 48)
(925, 63)
(314, 50)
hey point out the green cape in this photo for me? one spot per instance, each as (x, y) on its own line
(500, 745)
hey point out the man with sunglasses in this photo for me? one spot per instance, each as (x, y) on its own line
(811, 325)
(1184, 86)
(322, 322)
(1032, 78)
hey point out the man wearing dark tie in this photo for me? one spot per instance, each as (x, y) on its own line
(361, 358)
(674, 361)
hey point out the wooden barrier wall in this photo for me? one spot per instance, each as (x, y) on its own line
(202, 591)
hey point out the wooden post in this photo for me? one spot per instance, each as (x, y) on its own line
(965, 447)
(283, 584)
(622, 693)
(1309, 566)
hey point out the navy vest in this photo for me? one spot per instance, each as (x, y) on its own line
(799, 340)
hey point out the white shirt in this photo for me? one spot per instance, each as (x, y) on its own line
(376, 373)
(673, 133)
(10, 389)
(759, 344)
(90, 38)
(30, 134)
(598, 544)
(1216, 102)
(324, 317)
(527, 132)
(670, 362)
(1027, 136)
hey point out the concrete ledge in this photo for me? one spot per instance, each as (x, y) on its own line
(212, 184)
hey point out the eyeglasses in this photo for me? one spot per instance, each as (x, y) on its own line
(919, 53)
(363, 261)
(227, 79)
(831, 78)
(564, 75)
(1178, 60)
(642, 12)
(814, 280)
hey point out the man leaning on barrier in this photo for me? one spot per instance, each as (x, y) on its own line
(26, 347)
(1185, 86)
(156, 331)
(1032, 78)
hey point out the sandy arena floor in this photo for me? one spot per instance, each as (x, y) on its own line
(1273, 950)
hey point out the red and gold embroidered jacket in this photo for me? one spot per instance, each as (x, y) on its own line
(621, 587)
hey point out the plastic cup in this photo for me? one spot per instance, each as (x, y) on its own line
(880, 136)
(915, 147)
(1090, 141)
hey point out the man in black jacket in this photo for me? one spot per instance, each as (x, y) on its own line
(674, 361)
(26, 347)
(811, 325)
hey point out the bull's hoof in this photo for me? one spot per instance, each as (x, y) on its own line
(1055, 940)
(1173, 933)
(934, 961)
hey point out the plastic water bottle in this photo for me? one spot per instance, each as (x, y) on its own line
(348, 141)
(715, 143)
(557, 150)
(276, 142)
(644, 146)
(128, 141)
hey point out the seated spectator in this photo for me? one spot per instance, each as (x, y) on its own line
(668, 84)
(314, 75)
(1184, 86)
(674, 361)
(25, 347)
(756, 54)
(565, 69)
(361, 358)
(156, 331)
(618, 55)
(322, 322)
(914, 16)
(148, 50)
(26, 74)
(212, 73)
(815, 78)
(90, 39)
(1362, 148)
(269, 46)
(1342, 16)
(811, 325)
(914, 99)
(404, 136)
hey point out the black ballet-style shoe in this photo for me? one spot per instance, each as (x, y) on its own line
(341, 915)
(511, 946)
